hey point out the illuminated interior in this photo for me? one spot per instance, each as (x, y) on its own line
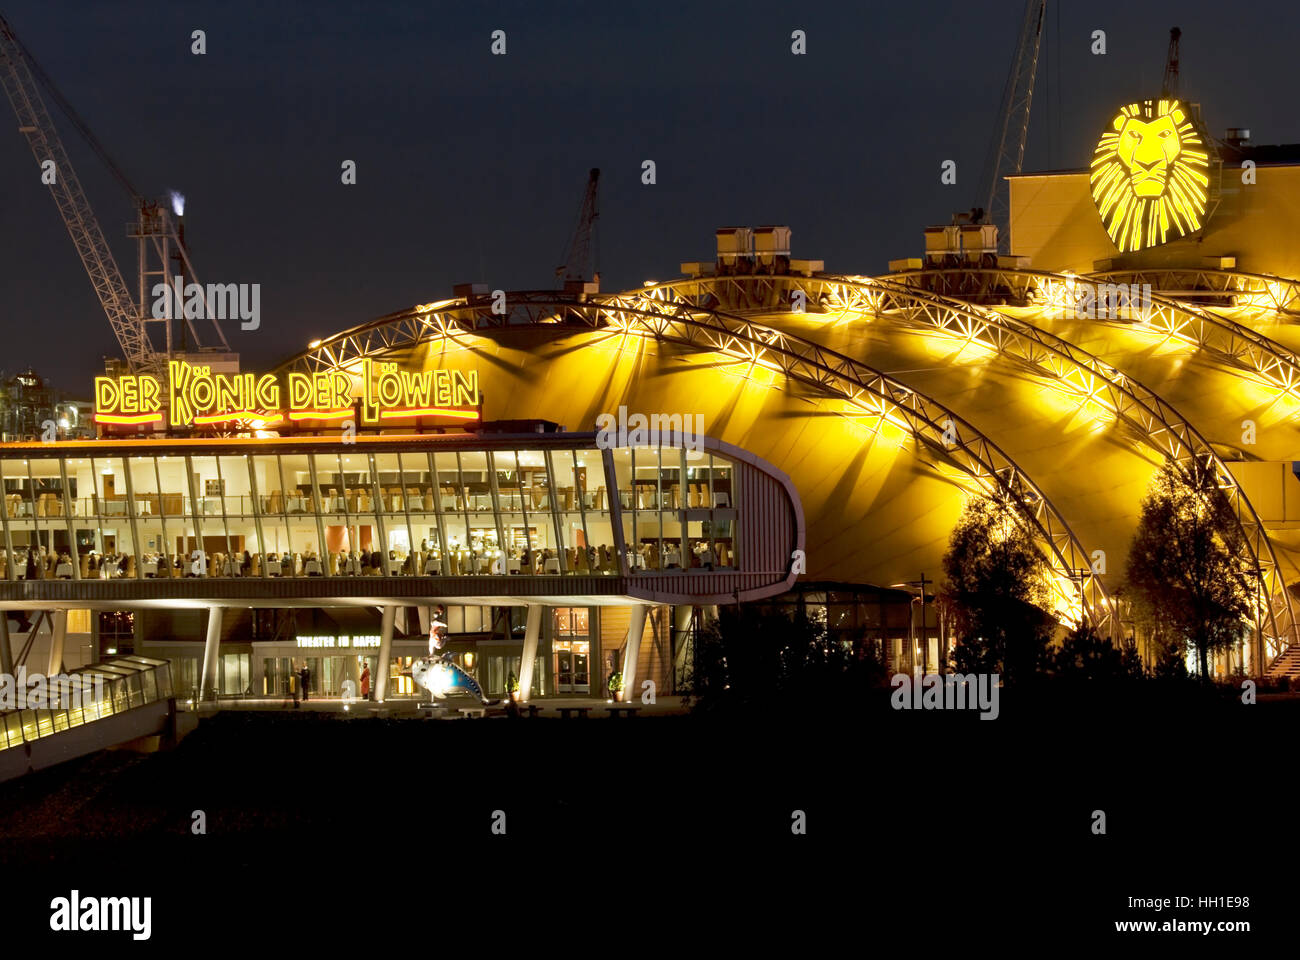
(450, 512)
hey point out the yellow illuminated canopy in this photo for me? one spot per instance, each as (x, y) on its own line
(1150, 175)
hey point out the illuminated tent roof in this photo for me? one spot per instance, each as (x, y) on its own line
(850, 398)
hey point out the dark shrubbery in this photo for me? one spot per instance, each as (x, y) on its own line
(752, 659)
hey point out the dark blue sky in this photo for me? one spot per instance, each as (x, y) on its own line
(471, 166)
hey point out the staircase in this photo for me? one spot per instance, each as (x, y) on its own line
(1287, 664)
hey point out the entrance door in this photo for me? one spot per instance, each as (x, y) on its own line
(563, 666)
(276, 673)
(581, 667)
(573, 666)
(234, 674)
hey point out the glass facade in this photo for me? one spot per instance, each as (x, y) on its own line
(678, 507)
(253, 511)
(91, 693)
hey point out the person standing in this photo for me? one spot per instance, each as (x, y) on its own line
(365, 682)
(294, 679)
(304, 676)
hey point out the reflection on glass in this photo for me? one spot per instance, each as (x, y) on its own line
(528, 512)
(114, 554)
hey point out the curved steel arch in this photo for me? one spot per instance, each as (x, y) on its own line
(1233, 343)
(1258, 291)
(1236, 344)
(1156, 421)
(937, 427)
(407, 327)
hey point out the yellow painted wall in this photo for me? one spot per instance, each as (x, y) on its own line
(1054, 222)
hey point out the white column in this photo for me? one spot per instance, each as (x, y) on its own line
(58, 633)
(207, 679)
(682, 614)
(632, 650)
(385, 652)
(532, 629)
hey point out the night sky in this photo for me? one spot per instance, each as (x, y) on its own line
(471, 166)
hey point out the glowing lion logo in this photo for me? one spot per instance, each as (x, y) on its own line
(1150, 175)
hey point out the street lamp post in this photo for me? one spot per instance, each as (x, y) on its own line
(1081, 574)
(910, 585)
(925, 637)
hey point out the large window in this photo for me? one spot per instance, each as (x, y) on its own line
(481, 549)
(300, 553)
(394, 520)
(116, 632)
(678, 508)
(177, 517)
(353, 513)
(115, 556)
(452, 502)
(36, 507)
(419, 491)
(569, 485)
(571, 621)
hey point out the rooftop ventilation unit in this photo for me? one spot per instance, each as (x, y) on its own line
(735, 249)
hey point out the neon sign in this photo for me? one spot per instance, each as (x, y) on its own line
(393, 394)
(335, 642)
(195, 396)
(1150, 175)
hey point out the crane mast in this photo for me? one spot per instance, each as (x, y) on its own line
(154, 229)
(1169, 88)
(34, 123)
(578, 272)
(1008, 151)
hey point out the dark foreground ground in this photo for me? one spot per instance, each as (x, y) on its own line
(922, 828)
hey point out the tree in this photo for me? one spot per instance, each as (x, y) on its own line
(1086, 655)
(996, 587)
(753, 658)
(1186, 567)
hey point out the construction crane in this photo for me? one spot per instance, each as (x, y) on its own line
(20, 75)
(1007, 154)
(1169, 88)
(578, 272)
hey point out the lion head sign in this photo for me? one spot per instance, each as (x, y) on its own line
(1150, 175)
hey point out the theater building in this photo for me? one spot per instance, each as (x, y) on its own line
(494, 452)
(332, 550)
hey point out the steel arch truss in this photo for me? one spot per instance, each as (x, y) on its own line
(1081, 373)
(443, 319)
(1260, 293)
(945, 434)
(1231, 343)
